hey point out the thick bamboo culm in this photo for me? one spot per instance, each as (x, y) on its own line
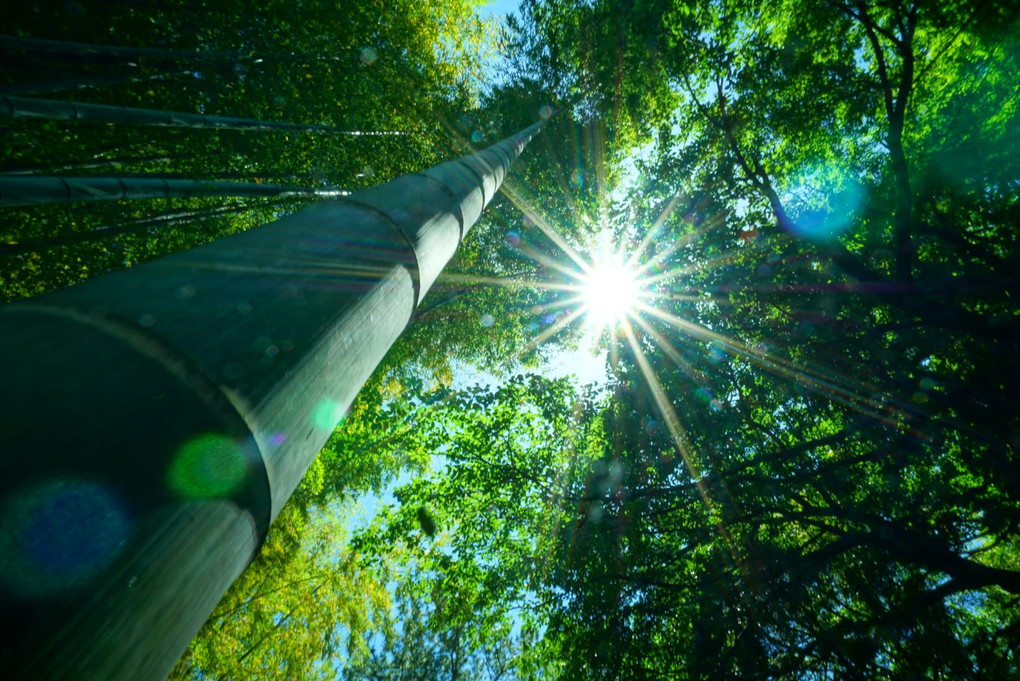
(156, 419)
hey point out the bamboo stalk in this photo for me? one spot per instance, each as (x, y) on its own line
(60, 110)
(85, 82)
(34, 190)
(158, 418)
(86, 50)
(163, 220)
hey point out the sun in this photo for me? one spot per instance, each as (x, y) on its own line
(610, 291)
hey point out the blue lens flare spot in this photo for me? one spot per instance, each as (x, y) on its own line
(59, 534)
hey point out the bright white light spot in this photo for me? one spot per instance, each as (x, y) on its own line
(609, 292)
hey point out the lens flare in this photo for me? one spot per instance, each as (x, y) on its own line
(327, 415)
(58, 534)
(206, 467)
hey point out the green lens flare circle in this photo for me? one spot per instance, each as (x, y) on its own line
(207, 467)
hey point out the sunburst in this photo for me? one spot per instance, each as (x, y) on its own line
(610, 291)
(645, 298)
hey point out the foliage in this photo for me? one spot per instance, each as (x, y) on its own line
(433, 636)
(807, 465)
(507, 456)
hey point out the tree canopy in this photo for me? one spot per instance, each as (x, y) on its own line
(804, 462)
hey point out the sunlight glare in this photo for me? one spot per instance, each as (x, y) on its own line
(610, 292)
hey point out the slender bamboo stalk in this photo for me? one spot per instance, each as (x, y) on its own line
(85, 50)
(34, 190)
(161, 221)
(61, 110)
(85, 82)
(93, 165)
(54, 109)
(65, 48)
(95, 154)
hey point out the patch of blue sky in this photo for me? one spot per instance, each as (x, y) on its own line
(586, 365)
(496, 10)
(630, 173)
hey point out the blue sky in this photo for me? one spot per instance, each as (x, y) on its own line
(498, 7)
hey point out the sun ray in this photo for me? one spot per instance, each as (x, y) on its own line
(555, 328)
(514, 194)
(681, 442)
(680, 243)
(845, 390)
(598, 152)
(562, 180)
(653, 230)
(561, 304)
(506, 281)
(667, 347)
(686, 270)
(549, 261)
(690, 298)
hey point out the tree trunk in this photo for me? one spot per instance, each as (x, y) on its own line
(156, 419)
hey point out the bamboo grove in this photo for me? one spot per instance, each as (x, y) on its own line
(803, 461)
